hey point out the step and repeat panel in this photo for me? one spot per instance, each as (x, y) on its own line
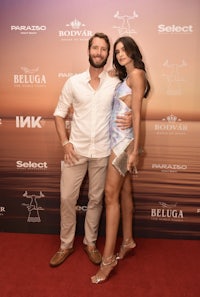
(43, 43)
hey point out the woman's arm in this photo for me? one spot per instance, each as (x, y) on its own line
(137, 82)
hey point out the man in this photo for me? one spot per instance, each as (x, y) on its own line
(88, 147)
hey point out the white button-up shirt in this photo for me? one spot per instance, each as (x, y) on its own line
(92, 110)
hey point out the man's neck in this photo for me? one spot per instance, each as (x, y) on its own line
(94, 72)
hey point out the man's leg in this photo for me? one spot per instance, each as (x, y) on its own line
(97, 174)
(71, 180)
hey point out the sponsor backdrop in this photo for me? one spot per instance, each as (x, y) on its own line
(43, 43)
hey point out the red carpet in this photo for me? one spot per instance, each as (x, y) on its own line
(158, 268)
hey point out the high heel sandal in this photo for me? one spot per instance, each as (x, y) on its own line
(126, 247)
(104, 270)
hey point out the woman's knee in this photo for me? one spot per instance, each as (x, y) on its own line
(111, 196)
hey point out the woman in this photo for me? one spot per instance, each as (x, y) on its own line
(134, 86)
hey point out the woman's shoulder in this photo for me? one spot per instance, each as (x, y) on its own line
(136, 75)
(136, 72)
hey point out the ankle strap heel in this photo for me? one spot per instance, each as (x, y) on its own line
(126, 247)
(107, 265)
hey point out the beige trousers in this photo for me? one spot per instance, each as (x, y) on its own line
(71, 180)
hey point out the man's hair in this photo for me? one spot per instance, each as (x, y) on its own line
(100, 35)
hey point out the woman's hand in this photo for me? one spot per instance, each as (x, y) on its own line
(133, 159)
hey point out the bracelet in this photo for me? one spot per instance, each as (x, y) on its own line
(65, 142)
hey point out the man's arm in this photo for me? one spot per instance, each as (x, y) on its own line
(61, 130)
(124, 121)
(69, 154)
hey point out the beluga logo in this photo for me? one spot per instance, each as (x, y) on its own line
(29, 77)
(167, 212)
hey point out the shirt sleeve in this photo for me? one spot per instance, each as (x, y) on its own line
(65, 100)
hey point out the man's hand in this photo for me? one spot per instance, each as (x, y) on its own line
(70, 157)
(124, 121)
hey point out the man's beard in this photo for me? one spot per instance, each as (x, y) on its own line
(93, 64)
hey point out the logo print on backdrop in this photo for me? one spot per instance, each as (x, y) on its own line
(169, 167)
(31, 30)
(81, 208)
(171, 125)
(29, 165)
(167, 212)
(29, 78)
(2, 210)
(75, 24)
(32, 207)
(65, 75)
(75, 32)
(175, 29)
(30, 122)
(173, 77)
(125, 28)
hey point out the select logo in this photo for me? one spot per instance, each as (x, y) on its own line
(175, 29)
(31, 165)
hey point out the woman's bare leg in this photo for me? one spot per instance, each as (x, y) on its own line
(127, 208)
(127, 218)
(112, 190)
(113, 186)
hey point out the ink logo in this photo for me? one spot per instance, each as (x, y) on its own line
(32, 207)
(171, 125)
(173, 77)
(28, 30)
(30, 77)
(29, 122)
(29, 165)
(167, 212)
(2, 210)
(75, 31)
(125, 26)
(175, 29)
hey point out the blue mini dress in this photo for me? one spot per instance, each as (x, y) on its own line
(120, 139)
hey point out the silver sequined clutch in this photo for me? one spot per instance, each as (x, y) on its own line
(120, 163)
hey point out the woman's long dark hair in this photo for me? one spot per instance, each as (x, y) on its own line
(132, 50)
